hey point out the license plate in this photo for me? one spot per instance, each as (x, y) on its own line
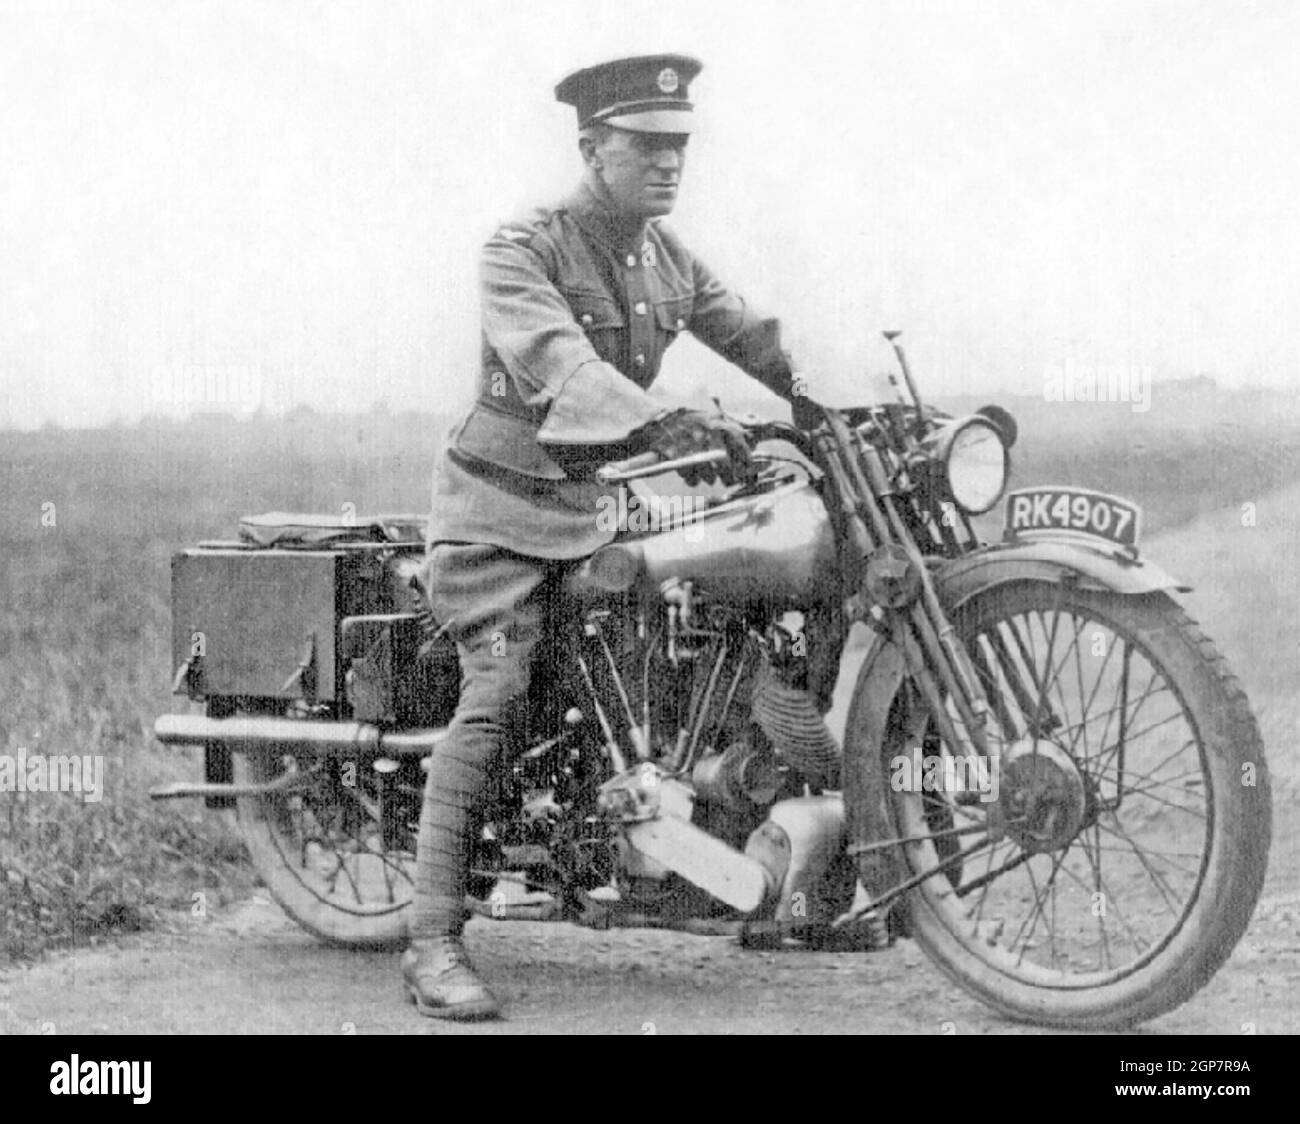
(1073, 511)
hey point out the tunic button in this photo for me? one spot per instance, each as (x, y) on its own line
(586, 318)
(640, 308)
(631, 260)
(640, 359)
(680, 323)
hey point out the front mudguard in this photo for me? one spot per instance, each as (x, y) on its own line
(1049, 560)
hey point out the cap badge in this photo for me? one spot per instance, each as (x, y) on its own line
(667, 80)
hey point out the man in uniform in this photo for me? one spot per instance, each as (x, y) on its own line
(579, 303)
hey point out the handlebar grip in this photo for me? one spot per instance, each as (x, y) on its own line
(615, 470)
(651, 464)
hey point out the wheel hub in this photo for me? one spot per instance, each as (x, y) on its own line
(1043, 799)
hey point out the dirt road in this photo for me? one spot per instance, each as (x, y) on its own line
(250, 970)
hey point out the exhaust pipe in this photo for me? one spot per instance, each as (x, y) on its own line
(246, 732)
(250, 733)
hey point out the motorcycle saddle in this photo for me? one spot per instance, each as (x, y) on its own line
(286, 530)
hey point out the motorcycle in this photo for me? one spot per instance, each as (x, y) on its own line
(1049, 778)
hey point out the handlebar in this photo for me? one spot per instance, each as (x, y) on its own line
(651, 464)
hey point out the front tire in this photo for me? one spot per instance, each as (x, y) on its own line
(1126, 848)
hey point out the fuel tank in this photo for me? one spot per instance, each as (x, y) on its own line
(777, 547)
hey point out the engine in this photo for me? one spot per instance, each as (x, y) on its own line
(714, 698)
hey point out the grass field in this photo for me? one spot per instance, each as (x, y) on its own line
(90, 519)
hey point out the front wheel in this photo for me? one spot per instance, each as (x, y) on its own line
(1099, 865)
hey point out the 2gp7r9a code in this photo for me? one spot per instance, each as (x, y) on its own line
(1193, 1065)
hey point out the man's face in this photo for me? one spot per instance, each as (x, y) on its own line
(641, 171)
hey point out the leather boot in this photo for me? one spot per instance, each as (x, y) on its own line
(442, 983)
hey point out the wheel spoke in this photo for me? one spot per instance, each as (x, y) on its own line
(993, 875)
(1037, 912)
(1110, 901)
(1176, 807)
(984, 879)
(1152, 784)
(1094, 859)
(1040, 709)
(1164, 856)
(1078, 674)
(1109, 714)
(1150, 774)
(1139, 853)
(1087, 706)
(1056, 674)
(1125, 718)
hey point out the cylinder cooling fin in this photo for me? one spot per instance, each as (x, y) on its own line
(788, 715)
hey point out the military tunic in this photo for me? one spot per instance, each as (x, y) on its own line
(578, 308)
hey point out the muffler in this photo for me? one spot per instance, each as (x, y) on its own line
(246, 733)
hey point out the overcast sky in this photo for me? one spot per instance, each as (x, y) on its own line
(290, 196)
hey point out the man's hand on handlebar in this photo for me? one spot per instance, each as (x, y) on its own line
(680, 433)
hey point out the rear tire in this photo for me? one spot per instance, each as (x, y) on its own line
(321, 857)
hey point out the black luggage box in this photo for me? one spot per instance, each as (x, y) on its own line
(314, 608)
(264, 623)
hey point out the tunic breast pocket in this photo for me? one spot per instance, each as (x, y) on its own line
(672, 314)
(599, 316)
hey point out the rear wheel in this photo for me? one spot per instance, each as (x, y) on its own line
(320, 848)
(1099, 866)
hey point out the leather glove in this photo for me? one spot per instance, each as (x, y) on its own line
(680, 433)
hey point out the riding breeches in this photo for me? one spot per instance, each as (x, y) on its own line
(497, 606)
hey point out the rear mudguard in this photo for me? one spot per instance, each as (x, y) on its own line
(1052, 561)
